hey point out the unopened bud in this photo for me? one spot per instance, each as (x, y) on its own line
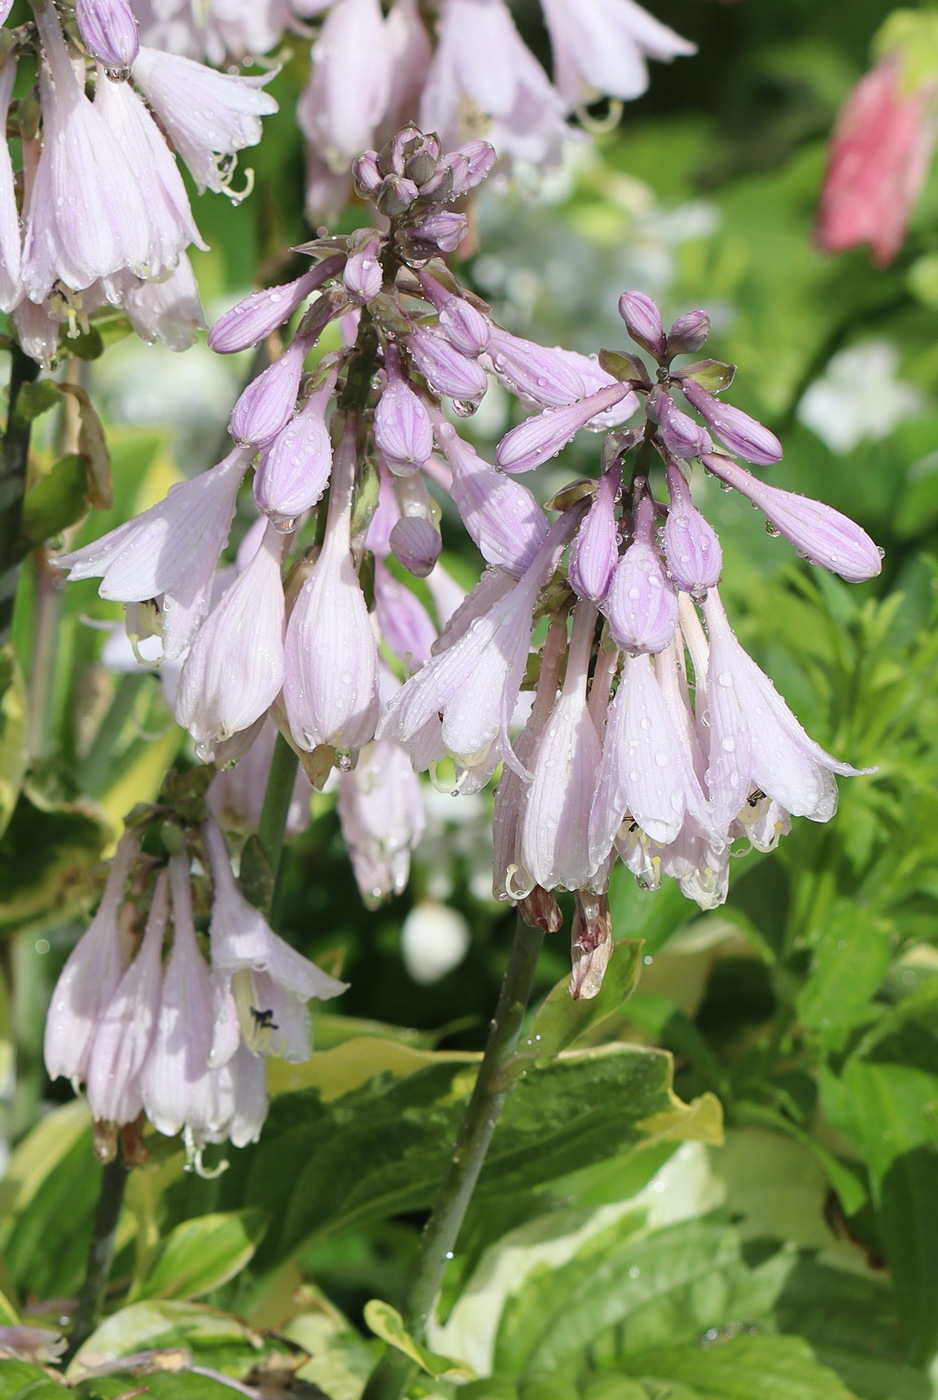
(539, 909)
(643, 323)
(688, 333)
(591, 945)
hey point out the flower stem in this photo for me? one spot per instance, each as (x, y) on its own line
(100, 1253)
(13, 488)
(273, 823)
(394, 1371)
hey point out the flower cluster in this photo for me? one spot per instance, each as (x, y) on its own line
(99, 213)
(652, 735)
(178, 1038)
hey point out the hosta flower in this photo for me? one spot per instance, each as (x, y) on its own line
(109, 32)
(248, 322)
(90, 976)
(10, 237)
(294, 468)
(381, 812)
(595, 550)
(403, 621)
(539, 438)
(403, 431)
(266, 406)
(600, 46)
(445, 369)
(641, 605)
(350, 82)
(740, 433)
(691, 547)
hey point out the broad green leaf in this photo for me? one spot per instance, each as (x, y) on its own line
(202, 1254)
(46, 1249)
(849, 1184)
(13, 754)
(38, 1154)
(745, 1368)
(155, 1385)
(629, 1289)
(36, 398)
(387, 1323)
(561, 1020)
(850, 960)
(56, 501)
(164, 1323)
(351, 1064)
(21, 1380)
(340, 1360)
(45, 854)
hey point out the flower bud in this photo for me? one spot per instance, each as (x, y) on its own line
(682, 437)
(363, 275)
(591, 945)
(595, 550)
(541, 437)
(395, 194)
(445, 369)
(403, 431)
(688, 333)
(293, 471)
(691, 548)
(416, 544)
(643, 323)
(641, 606)
(254, 318)
(367, 174)
(444, 229)
(267, 404)
(741, 434)
(466, 329)
(110, 34)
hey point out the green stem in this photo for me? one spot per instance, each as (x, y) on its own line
(492, 1087)
(46, 642)
(100, 1253)
(13, 489)
(94, 765)
(272, 827)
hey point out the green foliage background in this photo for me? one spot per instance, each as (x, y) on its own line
(620, 1247)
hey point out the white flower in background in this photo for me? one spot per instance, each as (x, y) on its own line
(434, 940)
(859, 397)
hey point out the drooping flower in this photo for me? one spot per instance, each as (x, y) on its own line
(382, 816)
(600, 46)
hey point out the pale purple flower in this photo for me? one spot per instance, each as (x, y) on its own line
(168, 309)
(236, 796)
(555, 844)
(403, 620)
(362, 276)
(542, 377)
(444, 229)
(261, 313)
(645, 770)
(740, 433)
(475, 674)
(381, 812)
(269, 982)
(169, 553)
(331, 655)
(294, 468)
(640, 314)
(461, 170)
(817, 531)
(464, 326)
(481, 62)
(11, 253)
(501, 516)
(599, 47)
(688, 333)
(641, 605)
(349, 84)
(403, 431)
(110, 33)
(87, 216)
(537, 439)
(594, 553)
(267, 404)
(408, 49)
(234, 670)
(208, 116)
(125, 1025)
(691, 548)
(416, 543)
(5, 8)
(755, 741)
(90, 976)
(444, 368)
(682, 437)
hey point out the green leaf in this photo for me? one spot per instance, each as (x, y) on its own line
(850, 959)
(745, 1368)
(155, 1385)
(46, 853)
(340, 1360)
(56, 501)
(712, 375)
(164, 1323)
(36, 398)
(20, 1380)
(13, 752)
(47, 1247)
(561, 1020)
(387, 1323)
(202, 1254)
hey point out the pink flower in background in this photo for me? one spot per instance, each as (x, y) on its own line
(878, 160)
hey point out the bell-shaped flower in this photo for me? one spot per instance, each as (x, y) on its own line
(349, 84)
(87, 216)
(110, 34)
(261, 313)
(501, 516)
(555, 844)
(174, 1079)
(403, 620)
(700, 866)
(90, 976)
(445, 369)
(817, 531)
(641, 605)
(645, 769)
(168, 310)
(539, 438)
(294, 469)
(267, 404)
(235, 1104)
(172, 227)
(682, 437)
(11, 251)
(755, 741)
(208, 116)
(595, 550)
(761, 822)
(269, 982)
(688, 333)
(474, 677)
(736, 430)
(169, 553)
(482, 62)
(403, 431)
(382, 816)
(691, 547)
(234, 670)
(122, 1036)
(331, 655)
(642, 318)
(362, 275)
(599, 48)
